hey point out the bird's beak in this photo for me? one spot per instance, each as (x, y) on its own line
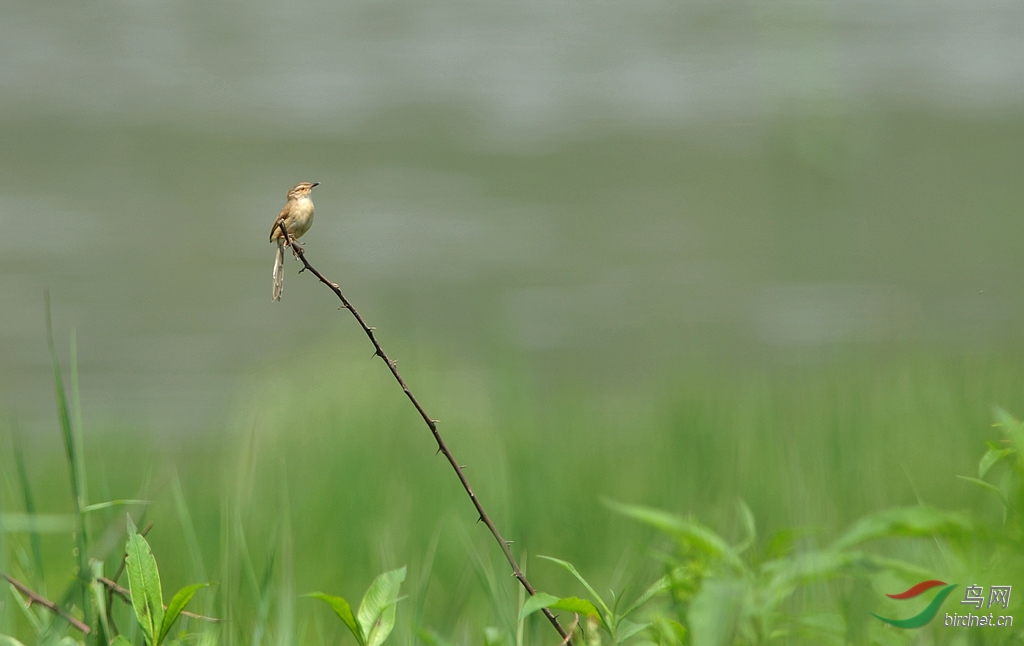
(315, 184)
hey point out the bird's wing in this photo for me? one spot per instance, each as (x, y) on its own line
(275, 232)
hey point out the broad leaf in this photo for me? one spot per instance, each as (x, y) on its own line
(656, 588)
(991, 458)
(685, 531)
(577, 605)
(535, 603)
(344, 611)
(144, 584)
(570, 604)
(626, 629)
(177, 604)
(904, 522)
(376, 614)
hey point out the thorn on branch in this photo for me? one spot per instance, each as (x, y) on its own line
(432, 424)
(34, 597)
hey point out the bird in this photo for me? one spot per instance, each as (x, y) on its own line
(297, 217)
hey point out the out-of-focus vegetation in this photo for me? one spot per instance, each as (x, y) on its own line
(754, 266)
(328, 479)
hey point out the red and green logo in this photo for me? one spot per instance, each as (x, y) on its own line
(930, 610)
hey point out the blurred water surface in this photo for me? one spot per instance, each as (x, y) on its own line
(607, 192)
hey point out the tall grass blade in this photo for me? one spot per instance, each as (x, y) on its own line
(195, 552)
(72, 450)
(30, 506)
(286, 583)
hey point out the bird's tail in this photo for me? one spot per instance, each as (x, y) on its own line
(278, 270)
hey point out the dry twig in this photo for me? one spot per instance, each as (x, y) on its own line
(126, 596)
(34, 597)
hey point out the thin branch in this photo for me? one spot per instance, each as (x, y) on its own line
(126, 596)
(429, 421)
(46, 603)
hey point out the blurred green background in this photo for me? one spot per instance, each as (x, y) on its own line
(676, 254)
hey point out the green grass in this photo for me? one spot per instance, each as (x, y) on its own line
(326, 478)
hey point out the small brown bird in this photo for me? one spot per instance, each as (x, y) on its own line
(297, 216)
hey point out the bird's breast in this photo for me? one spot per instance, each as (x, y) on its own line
(300, 217)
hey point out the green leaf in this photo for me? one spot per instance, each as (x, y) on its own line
(579, 577)
(988, 486)
(99, 596)
(749, 525)
(570, 604)
(7, 640)
(376, 614)
(344, 611)
(1015, 431)
(177, 604)
(431, 638)
(535, 603)
(685, 531)
(494, 636)
(30, 505)
(577, 605)
(626, 629)
(991, 458)
(121, 640)
(670, 631)
(144, 584)
(717, 611)
(658, 587)
(785, 574)
(904, 522)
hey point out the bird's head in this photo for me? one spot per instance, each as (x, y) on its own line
(301, 190)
